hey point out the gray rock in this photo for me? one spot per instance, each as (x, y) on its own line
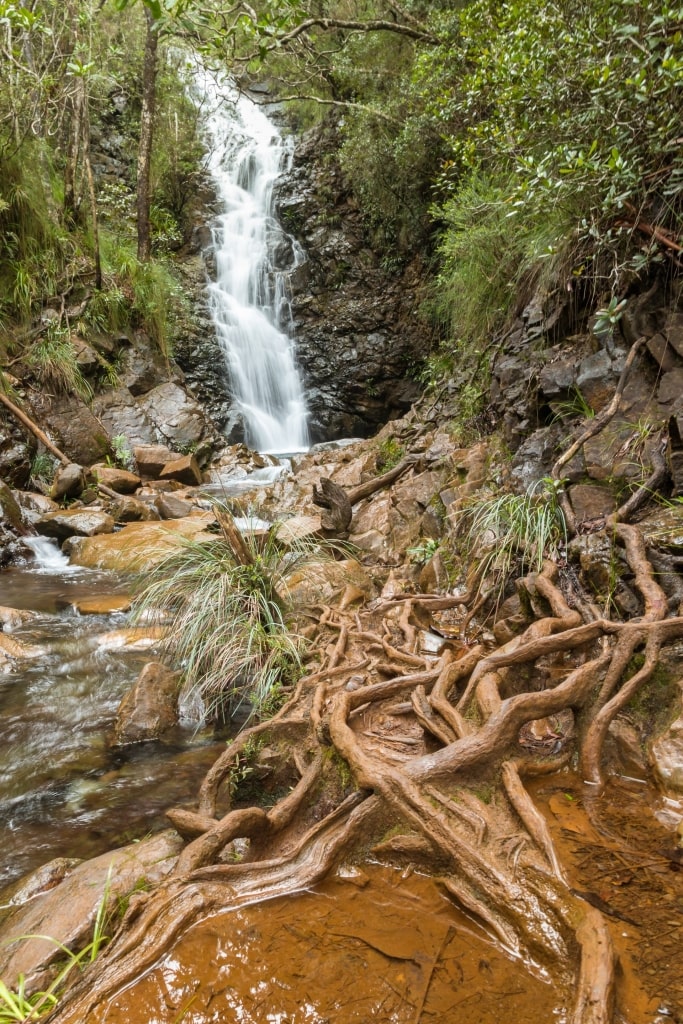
(178, 418)
(671, 386)
(120, 414)
(78, 431)
(596, 379)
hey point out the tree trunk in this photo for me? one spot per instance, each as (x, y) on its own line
(149, 74)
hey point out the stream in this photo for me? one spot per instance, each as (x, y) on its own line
(64, 791)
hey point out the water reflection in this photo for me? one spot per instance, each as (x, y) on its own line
(63, 790)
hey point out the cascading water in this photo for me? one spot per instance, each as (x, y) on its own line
(248, 300)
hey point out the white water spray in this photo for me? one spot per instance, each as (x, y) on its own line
(248, 300)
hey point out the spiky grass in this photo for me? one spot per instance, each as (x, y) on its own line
(509, 529)
(53, 359)
(227, 623)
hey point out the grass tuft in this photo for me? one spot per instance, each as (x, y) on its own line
(228, 622)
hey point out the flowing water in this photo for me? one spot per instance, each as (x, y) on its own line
(64, 791)
(248, 299)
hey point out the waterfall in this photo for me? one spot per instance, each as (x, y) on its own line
(248, 300)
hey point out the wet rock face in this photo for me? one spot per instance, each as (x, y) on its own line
(16, 451)
(355, 322)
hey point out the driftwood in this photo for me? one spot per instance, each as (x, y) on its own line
(336, 519)
(339, 503)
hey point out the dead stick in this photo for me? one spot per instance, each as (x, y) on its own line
(35, 430)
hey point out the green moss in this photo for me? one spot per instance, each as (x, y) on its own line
(389, 454)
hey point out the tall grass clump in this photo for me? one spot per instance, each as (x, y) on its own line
(145, 294)
(227, 616)
(53, 360)
(514, 530)
(486, 254)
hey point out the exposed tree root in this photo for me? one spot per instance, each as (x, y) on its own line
(416, 741)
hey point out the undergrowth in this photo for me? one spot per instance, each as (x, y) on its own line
(227, 623)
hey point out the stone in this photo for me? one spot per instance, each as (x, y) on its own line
(119, 480)
(151, 459)
(138, 546)
(664, 528)
(11, 618)
(666, 756)
(133, 638)
(673, 331)
(68, 482)
(67, 911)
(149, 709)
(131, 510)
(86, 357)
(142, 365)
(664, 353)
(178, 418)
(321, 581)
(104, 605)
(557, 378)
(671, 386)
(596, 379)
(16, 450)
(119, 413)
(10, 510)
(185, 470)
(297, 528)
(74, 425)
(74, 522)
(589, 501)
(169, 506)
(36, 504)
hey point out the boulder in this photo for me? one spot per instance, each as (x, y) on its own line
(10, 510)
(74, 522)
(665, 355)
(151, 458)
(132, 510)
(666, 756)
(104, 605)
(119, 480)
(16, 451)
(671, 386)
(178, 418)
(589, 501)
(138, 546)
(149, 709)
(68, 482)
(169, 506)
(321, 581)
(76, 427)
(119, 413)
(184, 470)
(67, 912)
(35, 504)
